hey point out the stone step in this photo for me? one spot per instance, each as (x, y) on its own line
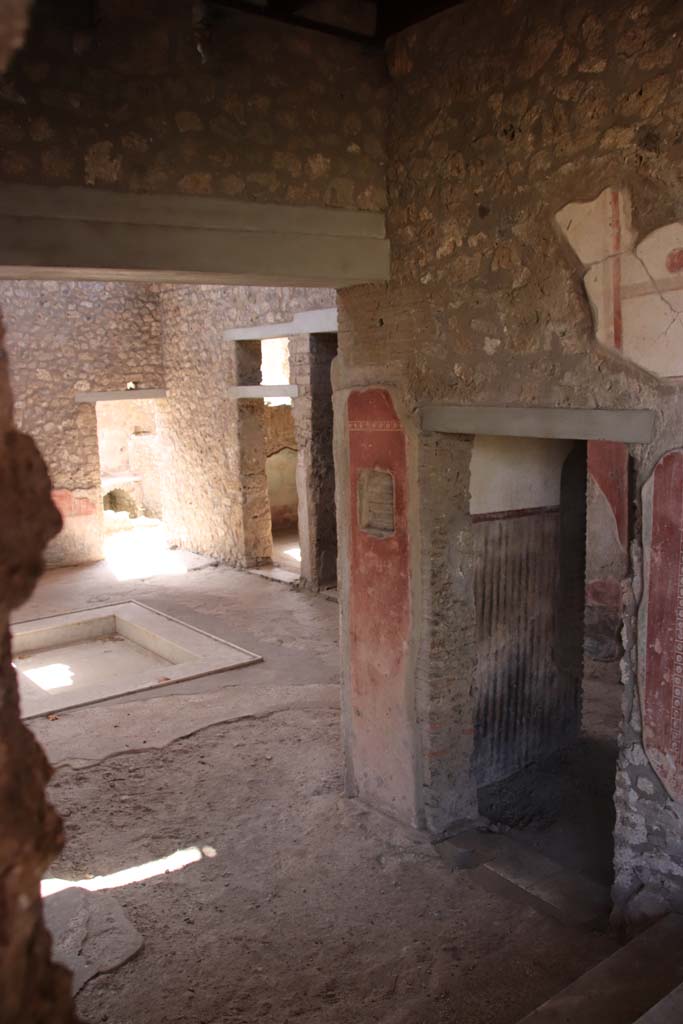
(523, 875)
(668, 1010)
(627, 987)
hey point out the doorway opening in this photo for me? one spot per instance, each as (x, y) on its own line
(129, 446)
(547, 721)
(281, 457)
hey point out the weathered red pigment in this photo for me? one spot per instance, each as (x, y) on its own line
(616, 272)
(604, 592)
(674, 261)
(72, 505)
(379, 614)
(663, 694)
(608, 466)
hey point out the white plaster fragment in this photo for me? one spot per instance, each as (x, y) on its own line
(661, 256)
(600, 228)
(636, 294)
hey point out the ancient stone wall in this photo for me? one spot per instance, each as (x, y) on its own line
(144, 99)
(280, 450)
(116, 422)
(65, 338)
(500, 117)
(311, 359)
(129, 446)
(278, 428)
(144, 459)
(207, 484)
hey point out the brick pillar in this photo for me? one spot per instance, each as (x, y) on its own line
(310, 359)
(256, 536)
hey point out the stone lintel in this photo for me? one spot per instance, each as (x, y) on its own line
(263, 391)
(53, 233)
(632, 426)
(314, 321)
(86, 397)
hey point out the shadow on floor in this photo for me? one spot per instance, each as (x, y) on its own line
(563, 806)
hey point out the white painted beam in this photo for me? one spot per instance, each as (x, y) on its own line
(85, 397)
(92, 234)
(313, 321)
(627, 425)
(264, 391)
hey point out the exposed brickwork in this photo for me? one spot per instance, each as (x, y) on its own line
(129, 104)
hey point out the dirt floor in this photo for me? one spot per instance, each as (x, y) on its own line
(313, 908)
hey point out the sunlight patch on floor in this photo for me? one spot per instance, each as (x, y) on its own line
(139, 873)
(50, 677)
(138, 553)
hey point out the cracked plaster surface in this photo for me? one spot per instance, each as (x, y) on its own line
(635, 290)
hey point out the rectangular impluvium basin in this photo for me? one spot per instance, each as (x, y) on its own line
(66, 661)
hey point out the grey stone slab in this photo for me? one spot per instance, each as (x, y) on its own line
(51, 250)
(276, 574)
(314, 321)
(90, 932)
(514, 894)
(579, 899)
(572, 897)
(263, 391)
(91, 234)
(65, 203)
(85, 397)
(626, 425)
(668, 1010)
(622, 988)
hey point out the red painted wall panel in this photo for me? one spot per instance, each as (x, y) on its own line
(382, 713)
(71, 505)
(663, 696)
(608, 465)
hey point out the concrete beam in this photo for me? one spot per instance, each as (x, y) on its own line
(92, 234)
(263, 391)
(314, 321)
(632, 426)
(85, 397)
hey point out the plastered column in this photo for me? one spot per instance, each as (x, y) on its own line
(310, 366)
(375, 469)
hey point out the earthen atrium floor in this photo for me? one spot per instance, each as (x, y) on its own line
(259, 892)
